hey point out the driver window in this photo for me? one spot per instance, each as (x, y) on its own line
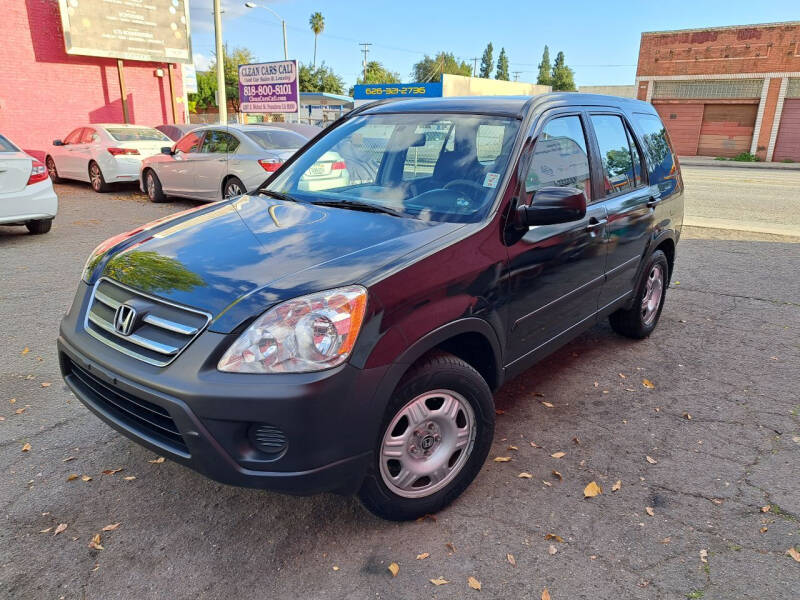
(74, 137)
(189, 143)
(559, 157)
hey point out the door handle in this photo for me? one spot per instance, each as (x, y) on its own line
(594, 223)
(653, 202)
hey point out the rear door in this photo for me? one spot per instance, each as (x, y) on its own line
(628, 201)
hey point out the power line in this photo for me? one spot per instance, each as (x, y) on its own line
(365, 49)
(474, 65)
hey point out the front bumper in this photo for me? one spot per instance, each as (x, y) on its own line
(205, 419)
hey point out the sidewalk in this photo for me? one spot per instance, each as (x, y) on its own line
(710, 161)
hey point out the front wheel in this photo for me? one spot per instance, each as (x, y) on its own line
(435, 436)
(233, 187)
(641, 319)
(51, 170)
(153, 186)
(96, 178)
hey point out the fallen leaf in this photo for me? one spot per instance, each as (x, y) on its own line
(157, 461)
(48, 530)
(512, 561)
(96, 566)
(596, 384)
(592, 490)
(623, 376)
(111, 471)
(335, 568)
(19, 411)
(95, 543)
(552, 550)
(558, 454)
(12, 400)
(499, 411)
(502, 458)
(794, 554)
(26, 447)
(547, 483)
(651, 460)
(2, 418)
(687, 416)
(85, 478)
(72, 477)
(704, 555)
(545, 594)
(553, 536)
(576, 441)
(473, 583)
(717, 501)
(111, 527)
(763, 529)
(439, 581)
(616, 487)
(513, 448)
(46, 384)
(69, 458)
(535, 445)
(450, 546)
(25, 351)
(525, 475)
(61, 527)
(423, 556)
(426, 517)
(558, 475)
(394, 569)
(547, 404)
(129, 478)
(666, 540)
(765, 509)
(649, 510)
(648, 384)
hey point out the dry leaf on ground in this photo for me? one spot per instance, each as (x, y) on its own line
(72, 477)
(61, 527)
(46, 384)
(157, 461)
(547, 483)
(423, 556)
(552, 549)
(547, 404)
(794, 553)
(394, 569)
(648, 384)
(651, 460)
(649, 510)
(95, 543)
(48, 530)
(766, 508)
(111, 527)
(513, 448)
(69, 458)
(502, 458)
(616, 487)
(553, 536)
(558, 454)
(439, 581)
(510, 558)
(25, 351)
(545, 594)
(426, 517)
(535, 445)
(473, 583)
(26, 447)
(335, 568)
(111, 471)
(525, 475)
(19, 411)
(704, 555)
(85, 478)
(558, 475)
(592, 490)
(450, 546)
(687, 416)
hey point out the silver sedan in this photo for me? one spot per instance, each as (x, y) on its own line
(216, 161)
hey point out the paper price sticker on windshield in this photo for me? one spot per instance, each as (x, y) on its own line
(491, 180)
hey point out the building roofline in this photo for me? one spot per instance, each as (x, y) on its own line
(778, 24)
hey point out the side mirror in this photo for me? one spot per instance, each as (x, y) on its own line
(552, 205)
(166, 150)
(58, 143)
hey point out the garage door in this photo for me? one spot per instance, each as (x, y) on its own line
(787, 145)
(727, 129)
(683, 123)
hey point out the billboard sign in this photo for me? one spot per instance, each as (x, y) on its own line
(376, 91)
(156, 30)
(271, 87)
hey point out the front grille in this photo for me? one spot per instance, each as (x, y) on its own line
(160, 329)
(139, 415)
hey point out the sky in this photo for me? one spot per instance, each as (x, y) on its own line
(600, 39)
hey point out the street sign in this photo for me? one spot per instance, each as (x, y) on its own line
(156, 30)
(271, 87)
(376, 91)
(189, 77)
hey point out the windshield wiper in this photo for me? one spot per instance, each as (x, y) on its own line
(363, 206)
(278, 195)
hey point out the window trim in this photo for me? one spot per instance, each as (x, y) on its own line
(609, 111)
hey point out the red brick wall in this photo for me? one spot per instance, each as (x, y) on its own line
(745, 49)
(770, 106)
(44, 92)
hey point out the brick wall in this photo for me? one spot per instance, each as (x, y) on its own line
(45, 93)
(744, 49)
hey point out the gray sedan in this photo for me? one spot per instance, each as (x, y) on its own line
(215, 162)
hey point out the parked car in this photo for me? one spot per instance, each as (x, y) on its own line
(349, 339)
(26, 193)
(102, 154)
(215, 162)
(176, 131)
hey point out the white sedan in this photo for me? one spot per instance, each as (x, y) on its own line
(26, 193)
(102, 154)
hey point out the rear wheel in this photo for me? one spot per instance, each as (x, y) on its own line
(39, 226)
(641, 319)
(96, 178)
(435, 437)
(233, 187)
(153, 186)
(51, 170)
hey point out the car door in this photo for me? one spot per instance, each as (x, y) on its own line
(64, 157)
(556, 271)
(210, 165)
(173, 170)
(81, 152)
(627, 199)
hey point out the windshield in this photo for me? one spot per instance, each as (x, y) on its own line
(277, 140)
(136, 134)
(433, 167)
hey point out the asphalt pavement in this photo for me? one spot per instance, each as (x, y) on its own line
(697, 428)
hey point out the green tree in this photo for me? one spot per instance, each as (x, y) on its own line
(544, 68)
(487, 62)
(206, 95)
(320, 79)
(563, 78)
(502, 66)
(376, 73)
(317, 23)
(431, 69)
(206, 90)
(151, 272)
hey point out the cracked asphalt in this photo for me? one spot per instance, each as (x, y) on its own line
(723, 485)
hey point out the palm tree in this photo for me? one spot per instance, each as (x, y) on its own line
(317, 22)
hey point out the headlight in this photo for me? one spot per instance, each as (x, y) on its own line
(310, 333)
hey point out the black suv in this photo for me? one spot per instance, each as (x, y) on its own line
(333, 333)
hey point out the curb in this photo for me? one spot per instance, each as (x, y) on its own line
(695, 161)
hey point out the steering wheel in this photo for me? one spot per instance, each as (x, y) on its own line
(466, 182)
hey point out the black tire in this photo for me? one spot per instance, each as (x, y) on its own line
(153, 186)
(233, 187)
(40, 226)
(637, 322)
(443, 372)
(51, 170)
(96, 179)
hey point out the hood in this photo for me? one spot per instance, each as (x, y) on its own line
(236, 258)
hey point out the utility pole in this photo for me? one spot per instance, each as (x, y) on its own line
(474, 65)
(365, 49)
(222, 100)
(516, 75)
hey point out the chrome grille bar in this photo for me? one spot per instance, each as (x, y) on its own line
(136, 339)
(169, 325)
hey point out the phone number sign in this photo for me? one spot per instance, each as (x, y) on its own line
(376, 91)
(270, 87)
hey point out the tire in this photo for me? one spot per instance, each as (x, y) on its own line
(153, 186)
(233, 187)
(40, 226)
(96, 179)
(51, 170)
(441, 383)
(641, 319)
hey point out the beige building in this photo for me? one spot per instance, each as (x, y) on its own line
(622, 91)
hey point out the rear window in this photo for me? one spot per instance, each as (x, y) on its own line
(277, 140)
(6, 146)
(136, 134)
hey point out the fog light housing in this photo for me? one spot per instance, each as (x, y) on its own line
(268, 439)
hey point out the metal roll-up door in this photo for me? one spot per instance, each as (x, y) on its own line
(727, 129)
(787, 144)
(683, 123)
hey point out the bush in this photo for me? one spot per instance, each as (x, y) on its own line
(745, 157)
